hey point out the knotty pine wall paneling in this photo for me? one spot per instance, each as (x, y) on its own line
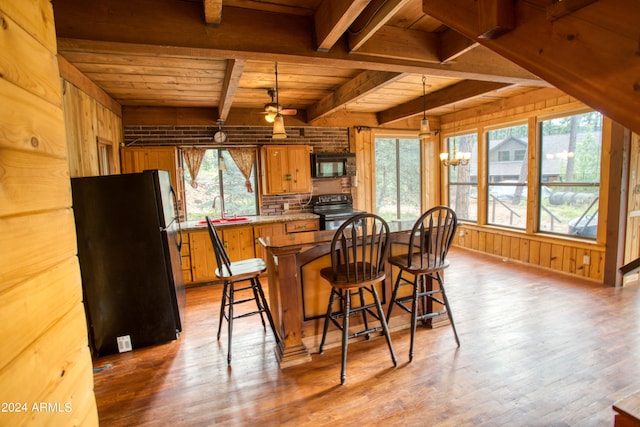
(45, 363)
(86, 119)
(632, 240)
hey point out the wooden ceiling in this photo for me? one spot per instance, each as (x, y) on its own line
(364, 57)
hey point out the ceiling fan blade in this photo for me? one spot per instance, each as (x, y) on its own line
(288, 111)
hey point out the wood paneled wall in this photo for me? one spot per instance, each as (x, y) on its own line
(86, 119)
(632, 240)
(45, 364)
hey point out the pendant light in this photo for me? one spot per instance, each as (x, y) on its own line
(425, 130)
(278, 121)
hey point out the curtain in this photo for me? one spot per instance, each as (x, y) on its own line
(244, 159)
(193, 157)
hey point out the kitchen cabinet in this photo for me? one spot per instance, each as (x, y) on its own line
(302, 225)
(286, 169)
(238, 242)
(199, 261)
(266, 230)
(138, 159)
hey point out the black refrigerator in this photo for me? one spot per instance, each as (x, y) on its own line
(129, 241)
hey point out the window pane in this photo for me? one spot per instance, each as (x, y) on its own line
(397, 174)
(507, 199)
(463, 179)
(571, 148)
(237, 201)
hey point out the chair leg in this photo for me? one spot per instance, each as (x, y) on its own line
(230, 322)
(345, 335)
(223, 303)
(327, 320)
(446, 304)
(414, 315)
(265, 306)
(259, 303)
(365, 319)
(385, 326)
(394, 295)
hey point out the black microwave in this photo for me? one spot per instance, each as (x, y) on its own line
(332, 165)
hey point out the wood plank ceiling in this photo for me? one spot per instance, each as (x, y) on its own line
(334, 56)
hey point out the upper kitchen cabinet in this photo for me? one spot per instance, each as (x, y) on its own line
(286, 169)
(138, 159)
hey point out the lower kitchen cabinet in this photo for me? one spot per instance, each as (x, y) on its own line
(199, 261)
(238, 242)
(266, 230)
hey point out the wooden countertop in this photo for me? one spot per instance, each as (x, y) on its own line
(253, 220)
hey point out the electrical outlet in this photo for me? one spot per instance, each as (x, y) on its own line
(285, 206)
(124, 343)
(586, 260)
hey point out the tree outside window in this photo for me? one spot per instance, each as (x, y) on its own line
(571, 148)
(463, 179)
(398, 177)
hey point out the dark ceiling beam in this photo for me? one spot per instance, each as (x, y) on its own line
(400, 43)
(495, 18)
(333, 18)
(561, 8)
(453, 44)
(351, 91)
(447, 96)
(230, 86)
(371, 20)
(175, 28)
(212, 12)
(591, 54)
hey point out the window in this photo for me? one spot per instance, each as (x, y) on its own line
(507, 198)
(463, 179)
(570, 174)
(106, 159)
(503, 156)
(398, 178)
(219, 176)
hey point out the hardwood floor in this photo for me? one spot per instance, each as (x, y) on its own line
(537, 349)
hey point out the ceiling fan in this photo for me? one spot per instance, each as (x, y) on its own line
(271, 109)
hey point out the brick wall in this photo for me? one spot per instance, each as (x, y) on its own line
(321, 139)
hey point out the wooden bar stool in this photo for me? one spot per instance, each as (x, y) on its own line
(359, 250)
(231, 273)
(429, 243)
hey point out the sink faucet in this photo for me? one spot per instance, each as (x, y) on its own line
(213, 205)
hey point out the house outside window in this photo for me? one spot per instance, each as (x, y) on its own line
(221, 178)
(507, 198)
(398, 178)
(571, 149)
(463, 179)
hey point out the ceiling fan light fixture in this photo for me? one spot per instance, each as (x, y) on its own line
(278, 128)
(278, 121)
(270, 117)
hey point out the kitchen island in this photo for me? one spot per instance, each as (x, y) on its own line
(240, 238)
(298, 296)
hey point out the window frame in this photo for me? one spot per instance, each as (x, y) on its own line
(446, 147)
(398, 136)
(221, 184)
(540, 183)
(487, 200)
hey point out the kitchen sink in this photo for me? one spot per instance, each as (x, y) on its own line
(230, 220)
